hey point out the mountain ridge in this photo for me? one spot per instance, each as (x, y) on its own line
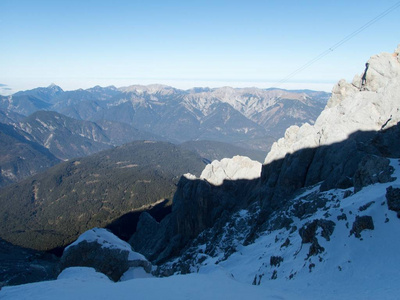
(158, 108)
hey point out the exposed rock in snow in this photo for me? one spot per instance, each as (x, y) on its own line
(238, 167)
(351, 108)
(393, 199)
(360, 224)
(100, 249)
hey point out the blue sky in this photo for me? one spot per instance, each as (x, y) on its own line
(79, 44)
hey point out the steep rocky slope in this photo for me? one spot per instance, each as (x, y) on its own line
(65, 137)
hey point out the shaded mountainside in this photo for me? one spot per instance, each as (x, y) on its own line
(20, 157)
(51, 209)
(65, 137)
(23, 104)
(68, 138)
(9, 117)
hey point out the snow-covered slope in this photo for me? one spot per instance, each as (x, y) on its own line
(346, 267)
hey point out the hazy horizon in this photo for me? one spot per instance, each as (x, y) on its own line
(80, 44)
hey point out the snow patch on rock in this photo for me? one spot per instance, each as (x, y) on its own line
(107, 239)
(82, 274)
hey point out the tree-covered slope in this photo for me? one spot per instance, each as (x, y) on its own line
(51, 209)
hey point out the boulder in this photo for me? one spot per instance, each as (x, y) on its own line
(100, 249)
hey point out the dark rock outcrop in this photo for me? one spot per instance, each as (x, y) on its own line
(308, 234)
(275, 260)
(152, 238)
(21, 265)
(360, 224)
(393, 199)
(352, 162)
(308, 231)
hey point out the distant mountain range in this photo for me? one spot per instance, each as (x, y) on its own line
(248, 116)
(216, 123)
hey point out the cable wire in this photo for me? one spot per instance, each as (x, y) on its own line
(338, 44)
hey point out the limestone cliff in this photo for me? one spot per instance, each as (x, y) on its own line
(352, 107)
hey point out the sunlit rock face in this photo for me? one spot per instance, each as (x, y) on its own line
(238, 167)
(355, 106)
